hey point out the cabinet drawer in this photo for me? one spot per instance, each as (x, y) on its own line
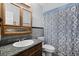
(23, 53)
(34, 49)
(37, 53)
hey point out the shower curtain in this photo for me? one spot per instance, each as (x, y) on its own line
(61, 29)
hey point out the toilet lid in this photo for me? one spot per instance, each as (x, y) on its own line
(48, 48)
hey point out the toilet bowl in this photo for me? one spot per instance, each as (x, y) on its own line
(47, 49)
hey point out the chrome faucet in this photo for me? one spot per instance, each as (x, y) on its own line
(21, 39)
(18, 40)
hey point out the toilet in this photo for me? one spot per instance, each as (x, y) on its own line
(48, 50)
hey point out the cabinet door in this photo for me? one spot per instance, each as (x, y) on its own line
(26, 17)
(12, 14)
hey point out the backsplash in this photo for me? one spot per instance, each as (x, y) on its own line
(10, 39)
(36, 32)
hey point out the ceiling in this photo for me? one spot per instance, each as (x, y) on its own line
(49, 6)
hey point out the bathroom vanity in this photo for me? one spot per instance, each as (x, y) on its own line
(32, 50)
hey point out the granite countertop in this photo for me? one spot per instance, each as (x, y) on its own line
(10, 50)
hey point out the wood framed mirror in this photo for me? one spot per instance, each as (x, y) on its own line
(17, 19)
(11, 14)
(26, 18)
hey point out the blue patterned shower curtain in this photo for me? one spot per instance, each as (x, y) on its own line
(61, 29)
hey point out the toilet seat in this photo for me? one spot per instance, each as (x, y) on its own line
(48, 48)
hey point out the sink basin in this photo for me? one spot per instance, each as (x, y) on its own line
(23, 43)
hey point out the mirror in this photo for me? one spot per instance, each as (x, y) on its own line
(18, 18)
(26, 18)
(12, 14)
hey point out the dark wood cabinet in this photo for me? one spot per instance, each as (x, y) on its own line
(33, 51)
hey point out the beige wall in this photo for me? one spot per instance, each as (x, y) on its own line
(37, 15)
